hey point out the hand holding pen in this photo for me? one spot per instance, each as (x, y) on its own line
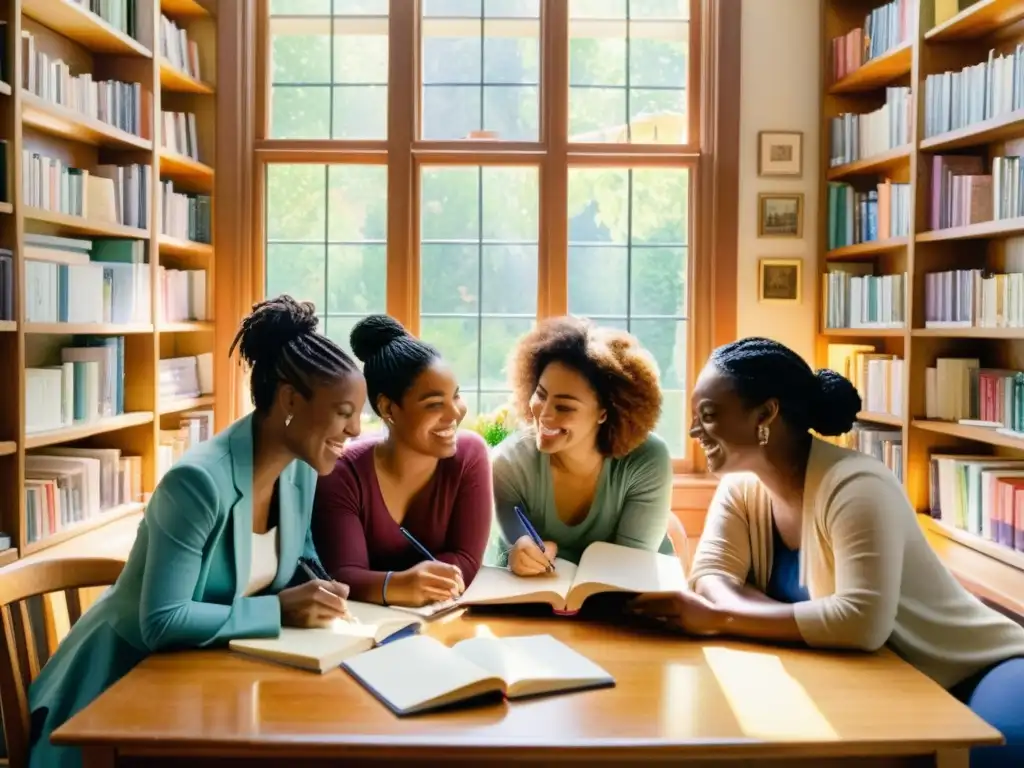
(531, 555)
(429, 581)
(316, 603)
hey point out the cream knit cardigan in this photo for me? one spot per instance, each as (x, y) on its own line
(872, 577)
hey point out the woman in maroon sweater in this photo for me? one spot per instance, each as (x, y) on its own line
(421, 477)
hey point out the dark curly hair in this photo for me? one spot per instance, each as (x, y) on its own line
(279, 342)
(762, 369)
(392, 357)
(621, 372)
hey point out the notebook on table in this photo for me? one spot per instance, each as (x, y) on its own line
(324, 648)
(420, 673)
(603, 568)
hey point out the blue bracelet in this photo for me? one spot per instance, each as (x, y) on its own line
(384, 588)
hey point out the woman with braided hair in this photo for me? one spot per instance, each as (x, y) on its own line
(811, 543)
(217, 555)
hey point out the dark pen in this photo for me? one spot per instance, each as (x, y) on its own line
(419, 547)
(307, 565)
(532, 533)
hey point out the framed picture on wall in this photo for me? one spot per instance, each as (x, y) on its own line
(779, 280)
(780, 153)
(780, 214)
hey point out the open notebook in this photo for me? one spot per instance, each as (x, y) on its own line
(420, 673)
(603, 568)
(322, 649)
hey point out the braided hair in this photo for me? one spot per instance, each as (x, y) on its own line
(279, 342)
(762, 369)
(392, 357)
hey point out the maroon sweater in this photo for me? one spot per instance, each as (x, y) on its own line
(354, 533)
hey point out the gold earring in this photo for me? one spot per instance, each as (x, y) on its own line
(762, 434)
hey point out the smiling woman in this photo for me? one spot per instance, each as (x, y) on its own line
(404, 517)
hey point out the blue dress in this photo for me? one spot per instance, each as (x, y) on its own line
(995, 694)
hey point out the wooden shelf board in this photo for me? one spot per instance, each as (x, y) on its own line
(5, 88)
(183, 9)
(998, 228)
(83, 226)
(185, 169)
(885, 161)
(111, 535)
(186, 404)
(84, 27)
(877, 72)
(78, 529)
(97, 329)
(8, 326)
(969, 333)
(986, 435)
(187, 326)
(80, 431)
(996, 551)
(982, 575)
(8, 447)
(864, 332)
(869, 249)
(173, 79)
(6, 208)
(66, 123)
(8, 556)
(978, 20)
(1000, 128)
(881, 418)
(185, 248)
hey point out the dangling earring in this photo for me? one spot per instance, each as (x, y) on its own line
(287, 420)
(762, 434)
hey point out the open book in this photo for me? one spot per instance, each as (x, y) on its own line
(323, 649)
(420, 673)
(603, 568)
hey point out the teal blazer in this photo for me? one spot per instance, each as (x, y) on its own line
(181, 586)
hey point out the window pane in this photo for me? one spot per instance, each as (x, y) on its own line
(312, 51)
(478, 286)
(628, 71)
(481, 69)
(628, 268)
(325, 240)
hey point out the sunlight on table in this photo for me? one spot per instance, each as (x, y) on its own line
(765, 699)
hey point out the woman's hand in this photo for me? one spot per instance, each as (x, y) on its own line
(687, 611)
(313, 604)
(428, 582)
(527, 559)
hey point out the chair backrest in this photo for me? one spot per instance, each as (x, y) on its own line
(19, 654)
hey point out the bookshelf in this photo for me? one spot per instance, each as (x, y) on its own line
(90, 93)
(860, 237)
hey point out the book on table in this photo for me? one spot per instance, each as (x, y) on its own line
(420, 673)
(321, 649)
(603, 568)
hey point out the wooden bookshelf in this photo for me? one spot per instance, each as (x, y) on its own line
(993, 571)
(67, 30)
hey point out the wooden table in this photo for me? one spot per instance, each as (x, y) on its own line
(707, 702)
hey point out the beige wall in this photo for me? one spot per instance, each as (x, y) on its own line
(780, 90)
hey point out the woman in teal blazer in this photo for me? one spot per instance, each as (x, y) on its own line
(217, 554)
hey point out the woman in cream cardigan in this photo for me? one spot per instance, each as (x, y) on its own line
(809, 542)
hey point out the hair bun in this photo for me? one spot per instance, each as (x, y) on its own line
(271, 325)
(372, 334)
(836, 406)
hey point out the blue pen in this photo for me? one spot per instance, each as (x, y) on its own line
(412, 540)
(532, 532)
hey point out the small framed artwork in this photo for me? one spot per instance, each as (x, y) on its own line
(780, 153)
(779, 280)
(780, 214)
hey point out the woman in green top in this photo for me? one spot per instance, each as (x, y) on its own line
(588, 467)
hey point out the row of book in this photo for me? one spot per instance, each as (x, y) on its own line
(126, 106)
(959, 389)
(87, 385)
(973, 298)
(182, 294)
(877, 376)
(86, 281)
(854, 136)
(178, 133)
(863, 217)
(185, 377)
(193, 427)
(122, 15)
(885, 28)
(184, 215)
(854, 298)
(962, 193)
(958, 99)
(175, 47)
(110, 193)
(982, 495)
(68, 486)
(884, 443)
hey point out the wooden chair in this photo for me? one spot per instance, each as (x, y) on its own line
(19, 657)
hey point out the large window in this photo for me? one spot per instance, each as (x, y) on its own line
(471, 165)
